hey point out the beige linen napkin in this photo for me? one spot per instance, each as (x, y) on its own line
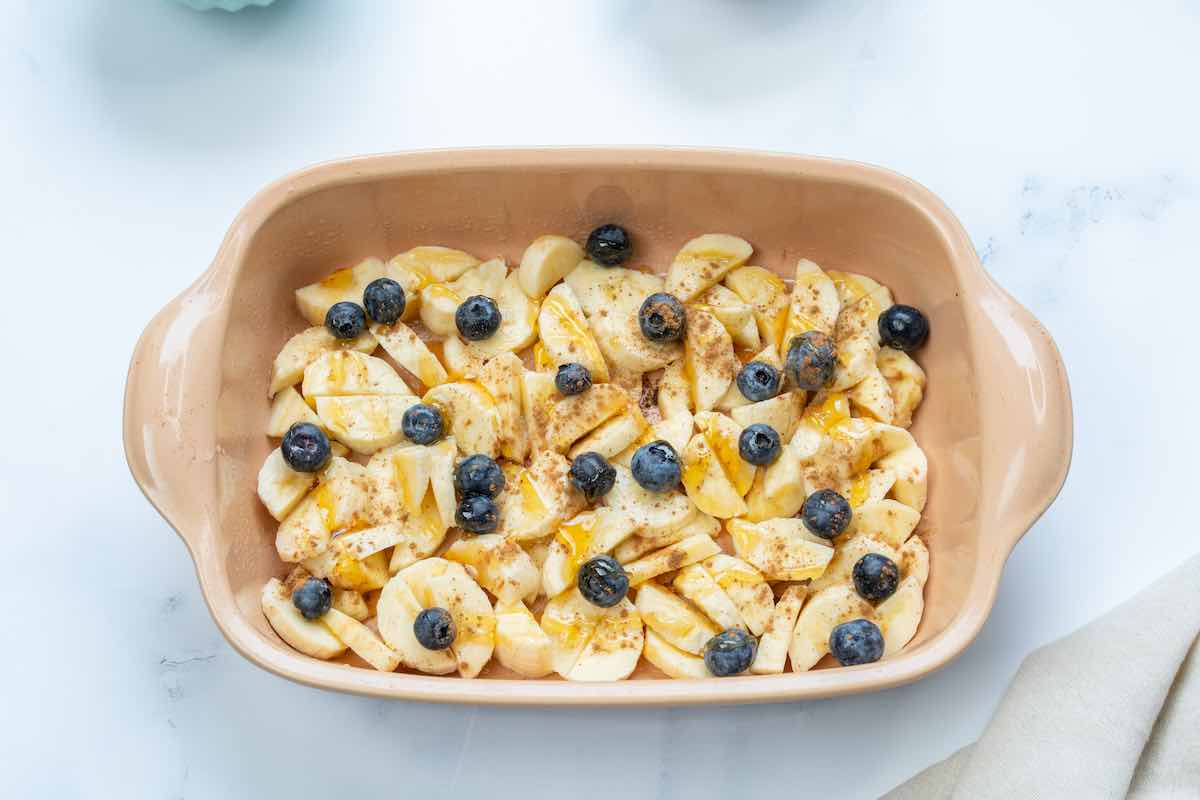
(1113, 710)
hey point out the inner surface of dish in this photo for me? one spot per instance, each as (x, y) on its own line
(575, 377)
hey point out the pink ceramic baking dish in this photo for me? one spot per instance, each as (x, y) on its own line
(996, 421)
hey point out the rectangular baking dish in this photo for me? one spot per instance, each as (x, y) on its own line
(996, 421)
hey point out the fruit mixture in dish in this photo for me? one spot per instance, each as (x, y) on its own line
(577, 465)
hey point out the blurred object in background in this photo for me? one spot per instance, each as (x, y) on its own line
(224, 5)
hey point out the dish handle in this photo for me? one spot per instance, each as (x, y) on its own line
(170, 408)
(1030, 392)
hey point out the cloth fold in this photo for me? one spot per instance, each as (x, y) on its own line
(1112, 710)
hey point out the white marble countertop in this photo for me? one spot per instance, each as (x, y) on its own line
(1065, 135)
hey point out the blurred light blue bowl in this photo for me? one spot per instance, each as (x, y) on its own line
(224, 5)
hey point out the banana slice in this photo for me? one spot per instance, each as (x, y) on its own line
(722, 434)
(566, 336)
(538, 498)
(287, 409)
(673, 662)
(361, 640)
(886, 521)
(823, 612)
(545, 262)
(872, 396)
(746, 587)
(899, 616)
(733, 397)
(338, 565)
(521, 644)
(612, 303)
(518, 323)
(776, 491)
(867, 487)
(352, 604)
(538, 396)
(653, 513)
(369, 541)
(401, 475)
(674, 391)
(857, 329)
(674, 619)
(637, 546)
(781, 548)
(589, 643)
(304, 348)
(675, 430)
(703, 261)
(498, 564)
(672, 557)
(339, 503)
(280, 487)
(614, 436)
(422, 534)
(573, 417)
(907, 462)
(344, 285)
(440, 301)
(709, 361)
(914, 559)
(767, 294)
(502, 377)
(421, 266)
(472, 415)
(734, 313)
(846, 555)
(814, 305)
(705, 480)
(773, 644)
(461, 363)
(781, 412)
(441, 478)
(436, 582)
(309, 637)
(349, 372)
(402, 343)
(695, 584)
(905, 379)
(580, 538)
(365, 423)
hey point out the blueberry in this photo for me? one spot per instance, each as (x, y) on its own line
(602, 581)
(477, 318)
(477, 514)
(609, 245)
(346, 320)
(305, 447)
(729, 652)
(826, 513)
(903, 327)
(662, 318)
(434, 628)
(655, 466)
(592, 475)
(384, 300)
(856, 642)
(313, 598)
(479, 474)
(875, 577)
(759, 444)
(758, 381)
(811, 359)
(422, 424)
(573, 379)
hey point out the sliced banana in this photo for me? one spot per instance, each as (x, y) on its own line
(538, 498)
(338, 565)
(441, 478)
(566, 335)
(349, 372)
(396, 612)
(573, 417)
(401, 475)
(440, 301)
(775, 640)
(502, 377)
(309, 637)
(304, 348)
(343, 285)
(674, 619)
(672, 557)
(461, 362)
(695, 584)
(287, 409)
(498, 564)
(905, 460)
(867, 487)
(822, 612)
(341, 502)
(653, 513)
(674, 391)
(352, 604)
(421, 266)
(872, 396)
(471, 414)
(780, 548)
(281, 488)
(637, 546)
(709, 361)
(402, 343)
(518, 323)
(734, 313)
(612, 302)
(612, 437)
(589, 643)
(781, 412)
(846, 555)
(365, 423)
(706, 482)
(422, 534)
(673, 662)
(887, 521)
(521, 644)
(703, 261)
(905, 379)
(580, 538)
(768, 296)
(814, 304)
(538, 396)
(723, 434)
(361, 640)
(745, 586)
(545, 262)
(857, 329)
